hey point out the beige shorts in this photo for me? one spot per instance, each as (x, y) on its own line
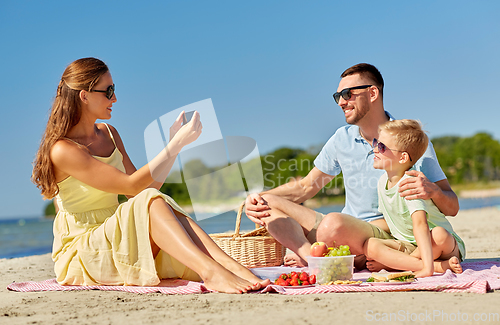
(311, 236)
(405, 246)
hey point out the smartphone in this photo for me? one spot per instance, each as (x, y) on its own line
(187, 117)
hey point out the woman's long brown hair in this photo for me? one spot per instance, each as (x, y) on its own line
(66, 111)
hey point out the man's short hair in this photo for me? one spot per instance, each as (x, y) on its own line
(368, 71)
(408, 136)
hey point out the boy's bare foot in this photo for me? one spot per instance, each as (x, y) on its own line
(293, 259)
(455, 265)
(452, 264)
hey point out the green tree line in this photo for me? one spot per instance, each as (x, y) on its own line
(463, 159)
(469, 159)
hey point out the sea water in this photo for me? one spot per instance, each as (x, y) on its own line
(33, 236)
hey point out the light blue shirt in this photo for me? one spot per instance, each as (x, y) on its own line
(348, 152)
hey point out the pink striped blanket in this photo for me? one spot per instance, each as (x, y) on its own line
(478, 277)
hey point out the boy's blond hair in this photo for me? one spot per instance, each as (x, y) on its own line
(408, 136)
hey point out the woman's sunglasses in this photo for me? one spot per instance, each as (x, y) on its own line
(382, 147)
(110, 91)
(346, 93)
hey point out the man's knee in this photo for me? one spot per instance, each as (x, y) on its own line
(330, 227)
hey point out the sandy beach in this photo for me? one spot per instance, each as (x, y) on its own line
(478, 228)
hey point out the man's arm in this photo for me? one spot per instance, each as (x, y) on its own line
(295, 191)
(419, 187)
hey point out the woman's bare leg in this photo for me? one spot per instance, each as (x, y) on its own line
(170, 236)
(209, 247)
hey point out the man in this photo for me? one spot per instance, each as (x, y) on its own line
(349, 150)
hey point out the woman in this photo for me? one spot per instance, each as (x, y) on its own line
(85, 166)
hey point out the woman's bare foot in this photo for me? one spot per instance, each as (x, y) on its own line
(293, 259)
(222, 280)
(244, 273)
(452, 264)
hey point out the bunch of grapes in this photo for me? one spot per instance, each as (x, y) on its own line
(342, 250)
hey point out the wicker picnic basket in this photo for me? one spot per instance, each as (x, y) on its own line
(256, 248)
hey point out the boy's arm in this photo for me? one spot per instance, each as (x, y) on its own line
(423, 237)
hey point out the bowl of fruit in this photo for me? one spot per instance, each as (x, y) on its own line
(330, 264)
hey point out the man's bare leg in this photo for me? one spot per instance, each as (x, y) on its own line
(290, 223)
(342, 229)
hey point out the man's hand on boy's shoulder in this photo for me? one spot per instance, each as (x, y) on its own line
(417, 187)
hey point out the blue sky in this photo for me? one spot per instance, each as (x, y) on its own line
(270, 68)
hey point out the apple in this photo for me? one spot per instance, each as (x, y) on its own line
(319, 249)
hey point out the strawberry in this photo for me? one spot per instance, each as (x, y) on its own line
(289, 282)
(305, 283)
(294, 275)
(284, 276)
(282, 282)
(303, 276)
(312, 279)
(295, 282)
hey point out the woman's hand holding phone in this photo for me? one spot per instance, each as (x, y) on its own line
(186, 128)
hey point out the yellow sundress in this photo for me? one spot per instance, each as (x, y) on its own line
(98, 241)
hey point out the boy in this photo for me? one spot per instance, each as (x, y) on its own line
(424, 240)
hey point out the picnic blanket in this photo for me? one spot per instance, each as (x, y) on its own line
(478, 277)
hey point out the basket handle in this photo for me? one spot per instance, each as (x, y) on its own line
(238, 221)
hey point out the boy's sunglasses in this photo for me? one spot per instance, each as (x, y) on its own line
(382, 147)
(346, 93)
(110, 91)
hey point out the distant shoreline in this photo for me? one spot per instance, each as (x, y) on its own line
(316, 203)
(470, 194)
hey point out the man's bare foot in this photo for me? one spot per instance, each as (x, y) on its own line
(375, 266)
(293, 259)
(360, 262)
(452, 264)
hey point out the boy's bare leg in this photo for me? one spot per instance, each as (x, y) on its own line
(444, 250)
(290, 223)
(371, 264)
(443, 245)
(375, 266)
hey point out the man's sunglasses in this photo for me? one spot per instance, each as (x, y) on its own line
(382, 147)
(346, 93)
(110, 91)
